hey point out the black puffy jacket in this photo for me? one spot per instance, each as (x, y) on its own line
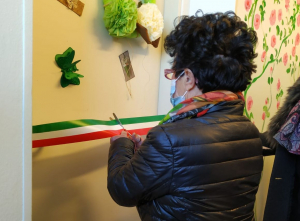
(205, 168)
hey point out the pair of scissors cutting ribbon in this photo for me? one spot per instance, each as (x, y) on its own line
(119, 122)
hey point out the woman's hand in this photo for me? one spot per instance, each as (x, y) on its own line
(123, 134)
(138, 140)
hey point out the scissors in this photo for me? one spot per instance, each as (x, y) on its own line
(119, 122)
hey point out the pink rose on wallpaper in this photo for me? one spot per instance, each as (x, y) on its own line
(266, 101)
(279, 15)
(273, 17)
(263, 56)
(287, 4)
(249, 103)
(278, 85)
(257, 21)
(271, 70)
(297, 41)
(285, 59)
(294, 51)
(298, 2)
(248, 4)
(273, 41)
(278, 104)
(298, 20)
(263, 116)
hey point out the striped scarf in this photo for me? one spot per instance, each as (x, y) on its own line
(199, 105)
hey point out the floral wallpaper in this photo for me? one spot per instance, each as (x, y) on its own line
(277, 23)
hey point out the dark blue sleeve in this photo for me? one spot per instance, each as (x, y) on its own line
(269, 148)
(136, 178)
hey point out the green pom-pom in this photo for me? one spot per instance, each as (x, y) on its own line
(120, 18)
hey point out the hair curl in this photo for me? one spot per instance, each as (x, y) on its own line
(218, 48)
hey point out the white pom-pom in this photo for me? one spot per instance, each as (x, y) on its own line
(151, 18)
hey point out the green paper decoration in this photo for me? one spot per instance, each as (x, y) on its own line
(68, 69)
(149, 1)
(120, 17)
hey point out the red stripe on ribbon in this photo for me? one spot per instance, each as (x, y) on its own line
(84, 137)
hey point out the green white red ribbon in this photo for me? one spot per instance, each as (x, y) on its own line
(85, 130)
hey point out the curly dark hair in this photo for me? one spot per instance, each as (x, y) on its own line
(218, 48)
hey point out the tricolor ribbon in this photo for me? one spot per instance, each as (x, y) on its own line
(85, 130)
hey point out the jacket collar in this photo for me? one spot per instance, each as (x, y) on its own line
(235, 107)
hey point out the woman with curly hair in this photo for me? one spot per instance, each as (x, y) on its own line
(204, 160)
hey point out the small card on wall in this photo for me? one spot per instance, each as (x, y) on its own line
(74, 5)
(126, 66)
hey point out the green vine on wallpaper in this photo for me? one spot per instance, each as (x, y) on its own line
(283, 31)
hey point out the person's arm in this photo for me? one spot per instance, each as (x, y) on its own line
(269, 148)
(135, 178)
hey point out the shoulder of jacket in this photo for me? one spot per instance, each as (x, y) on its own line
(158, 132)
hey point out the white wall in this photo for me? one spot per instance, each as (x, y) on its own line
(69, 181)
(211, 6)
(15, 119)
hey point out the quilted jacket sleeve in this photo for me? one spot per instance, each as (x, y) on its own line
(136, 178)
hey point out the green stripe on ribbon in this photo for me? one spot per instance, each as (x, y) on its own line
(82, 123)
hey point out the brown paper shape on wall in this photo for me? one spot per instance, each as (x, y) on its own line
(78, 9)
(144, 33)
